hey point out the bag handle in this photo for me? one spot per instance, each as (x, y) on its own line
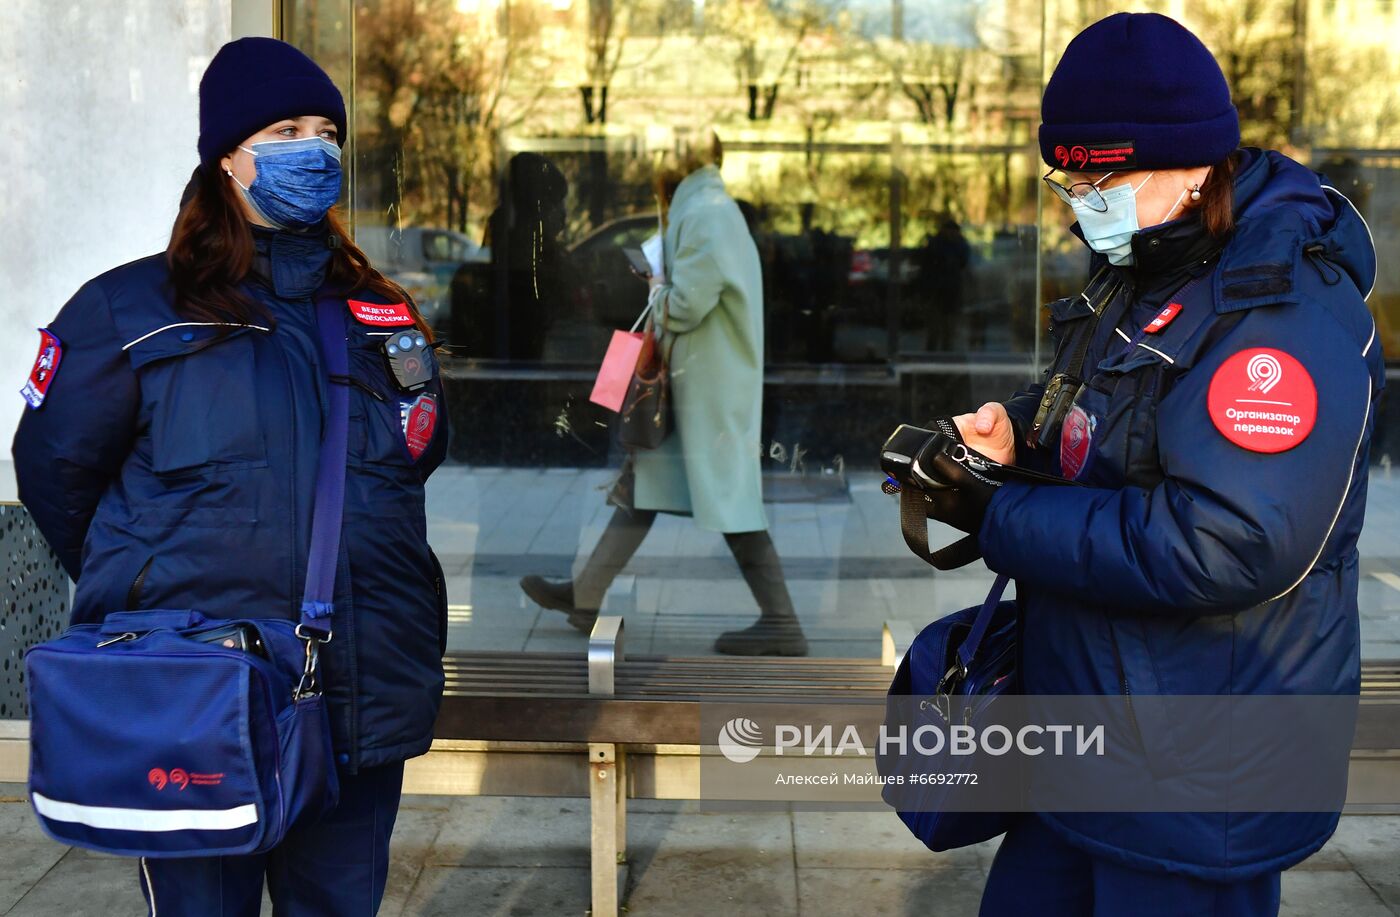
(647, 309)
(968, 650)
(329, 507)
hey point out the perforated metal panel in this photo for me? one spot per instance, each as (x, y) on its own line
(35, 592)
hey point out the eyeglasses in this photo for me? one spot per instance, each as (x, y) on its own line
(1082, 191)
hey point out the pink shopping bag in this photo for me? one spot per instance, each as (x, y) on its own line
(619, 365)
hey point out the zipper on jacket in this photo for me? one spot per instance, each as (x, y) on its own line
(133, 595)
(1123, 682)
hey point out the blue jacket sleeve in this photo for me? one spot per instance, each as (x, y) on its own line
(1227, 528)
(1021, 408)
(70, 448)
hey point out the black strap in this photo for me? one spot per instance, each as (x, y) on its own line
(1112, 286)
(913, 520)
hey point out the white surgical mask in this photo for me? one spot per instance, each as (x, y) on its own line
(1111, 232)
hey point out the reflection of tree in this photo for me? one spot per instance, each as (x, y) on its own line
(768, 35)
(935, 73)
(435, 87)
(1253, 41)
(610, 23)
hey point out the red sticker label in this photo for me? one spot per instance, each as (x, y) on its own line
(383, 314)
(1076, 436)
(1263, 400)
(1164, 318)
(45, 365)
(419, 424)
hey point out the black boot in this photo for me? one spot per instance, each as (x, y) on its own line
(580, 598)
(559, 597)
(777, 632)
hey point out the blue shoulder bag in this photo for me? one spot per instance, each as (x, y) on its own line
(165, 734)
(952, 674)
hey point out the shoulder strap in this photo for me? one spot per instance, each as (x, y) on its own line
(329, 507)
(967, 652)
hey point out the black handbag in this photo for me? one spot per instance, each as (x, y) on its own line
(646, 411)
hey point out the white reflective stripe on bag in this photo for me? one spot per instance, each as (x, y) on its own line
(146, 819)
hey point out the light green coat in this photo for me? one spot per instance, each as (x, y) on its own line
(709, 465)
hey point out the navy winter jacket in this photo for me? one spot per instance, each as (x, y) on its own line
(1193, 565)
(172, 465)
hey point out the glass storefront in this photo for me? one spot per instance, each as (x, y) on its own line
(883, 153)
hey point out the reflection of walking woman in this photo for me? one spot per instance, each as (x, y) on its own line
(712, 298)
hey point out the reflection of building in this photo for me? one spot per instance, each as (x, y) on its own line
(866, 121)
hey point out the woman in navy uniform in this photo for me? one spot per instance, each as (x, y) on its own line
(169, 456)
(1215, 389)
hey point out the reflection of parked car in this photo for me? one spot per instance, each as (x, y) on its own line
(612, 294)
(422, 260)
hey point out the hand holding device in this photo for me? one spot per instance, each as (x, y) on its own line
(638, 262)
(990, 432)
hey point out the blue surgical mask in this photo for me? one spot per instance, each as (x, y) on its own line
(297, 181)
(1111, 232)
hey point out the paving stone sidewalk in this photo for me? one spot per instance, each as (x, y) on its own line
(508, 857)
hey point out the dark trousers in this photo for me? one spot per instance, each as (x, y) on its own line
(334, 868)
(1036, 872)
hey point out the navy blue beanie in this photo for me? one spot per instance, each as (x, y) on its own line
(1137, 91)
(254, 82)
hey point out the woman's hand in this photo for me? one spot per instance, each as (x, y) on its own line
(990, 432)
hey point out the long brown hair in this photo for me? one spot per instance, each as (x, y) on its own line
(211, 254)
(1217, 203)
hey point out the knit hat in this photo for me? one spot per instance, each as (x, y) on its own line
(254, 82)
(1137, 91)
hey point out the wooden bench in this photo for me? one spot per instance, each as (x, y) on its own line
(605, 726)
(636, 718)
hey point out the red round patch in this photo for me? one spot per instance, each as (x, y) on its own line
(1263, 400)
(1076, 436)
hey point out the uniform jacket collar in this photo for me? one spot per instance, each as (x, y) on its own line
(292, 265)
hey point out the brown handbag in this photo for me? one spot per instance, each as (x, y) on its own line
(646, 411)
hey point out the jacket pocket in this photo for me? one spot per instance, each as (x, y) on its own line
(138, 585)
(378, 409)
(202, 409)
(440, 584)
(1122, 402)
(1147, 707)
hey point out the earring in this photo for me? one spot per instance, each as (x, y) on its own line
(1196, 192)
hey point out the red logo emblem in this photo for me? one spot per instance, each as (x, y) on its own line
(45, 365)
(419, 424)
(1164, 318)
(381, 314)
(1071, 157)
(1076, 436)
(1263, 400)
(180, 778)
